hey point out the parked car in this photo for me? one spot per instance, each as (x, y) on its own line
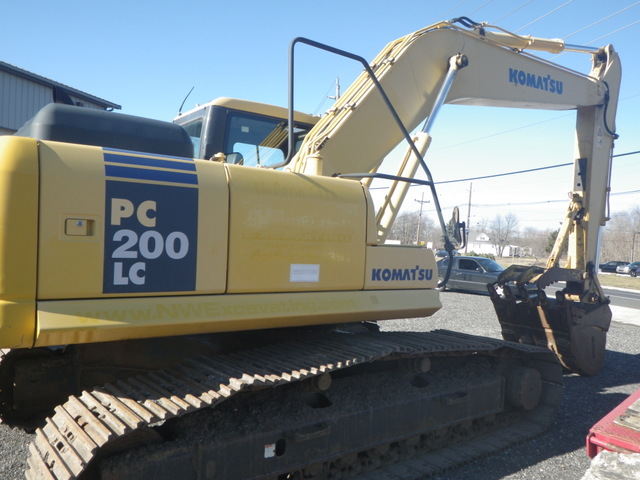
(612, 266)
(631, 269)
(469, 273)
(444, 253)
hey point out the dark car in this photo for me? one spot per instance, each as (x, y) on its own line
(444, 253)
(631, 269)
(470, 273)
(612, 266)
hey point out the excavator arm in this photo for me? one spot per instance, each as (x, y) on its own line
(476, 64)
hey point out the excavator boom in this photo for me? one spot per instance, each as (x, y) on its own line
(492, 70)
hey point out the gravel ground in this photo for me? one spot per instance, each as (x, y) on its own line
(557, 454)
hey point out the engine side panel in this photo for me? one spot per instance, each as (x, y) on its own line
(18, 241)
(291, 232)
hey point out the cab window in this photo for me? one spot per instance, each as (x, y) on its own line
(194, 129)
(255, 140)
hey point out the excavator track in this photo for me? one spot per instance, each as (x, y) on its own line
(468, 396)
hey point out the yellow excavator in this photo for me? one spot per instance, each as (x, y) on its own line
(199, 299)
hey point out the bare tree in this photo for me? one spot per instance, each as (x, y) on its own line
(405, 229)
(501, 231)
(535, 239)
(621, 237)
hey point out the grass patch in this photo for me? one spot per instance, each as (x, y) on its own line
(606, 279)
(620, 281)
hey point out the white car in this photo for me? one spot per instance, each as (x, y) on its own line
(630, 269)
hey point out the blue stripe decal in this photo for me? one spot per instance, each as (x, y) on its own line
(150, 162)
(154, 175)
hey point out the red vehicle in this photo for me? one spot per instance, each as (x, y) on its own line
(619, 430)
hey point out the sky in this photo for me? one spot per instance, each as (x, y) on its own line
(148, 55)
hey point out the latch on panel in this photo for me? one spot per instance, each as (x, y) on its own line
(78, 227)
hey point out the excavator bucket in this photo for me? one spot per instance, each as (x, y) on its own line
(572, 325)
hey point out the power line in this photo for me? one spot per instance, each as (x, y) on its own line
(512, 12)
(525, 171)
(504, 174)
(507, 131)
(481, 7)
(516, 172)
(557, 117)
(541, 202)
(324, 99)
(628, 192)
(628, 153)
(545, 15)
(600, 21)
(602, 36)
(447, 12)
(614, 31)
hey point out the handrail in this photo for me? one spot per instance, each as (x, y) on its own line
(385, 176)
(372, 76)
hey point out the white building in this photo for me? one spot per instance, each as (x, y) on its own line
(482, 244)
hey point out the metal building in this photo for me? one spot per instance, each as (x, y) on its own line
(23, 93)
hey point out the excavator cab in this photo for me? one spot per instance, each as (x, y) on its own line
(241, 132)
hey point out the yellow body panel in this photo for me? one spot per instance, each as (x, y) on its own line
(18, 241)
(87, 321)
(103, 245)
(291, 232)
(70, 255)
(400, 267)
(213, 227)
(74, 205)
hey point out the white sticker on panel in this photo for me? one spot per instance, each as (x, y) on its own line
(304, 272)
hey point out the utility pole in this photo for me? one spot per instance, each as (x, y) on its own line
(337, 96)
(422, 201)
(468, 226)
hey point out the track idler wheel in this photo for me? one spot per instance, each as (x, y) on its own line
(523, 387)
